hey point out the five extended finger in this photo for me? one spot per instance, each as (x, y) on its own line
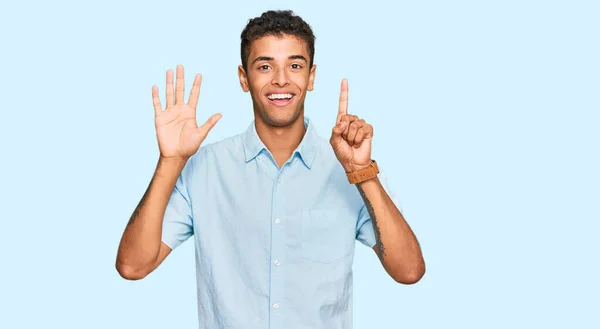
(156, 101)
(179, 85)
(169, 90)
(195, 93)
(209, 124)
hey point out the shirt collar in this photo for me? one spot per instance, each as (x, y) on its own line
(306, 150)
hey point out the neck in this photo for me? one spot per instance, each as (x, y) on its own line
(281, 141)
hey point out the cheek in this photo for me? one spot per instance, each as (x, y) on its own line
(304, 80)
(301, 82)
(258, 83)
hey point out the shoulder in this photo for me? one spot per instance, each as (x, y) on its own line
(229, 149)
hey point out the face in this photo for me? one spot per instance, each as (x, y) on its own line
(278, 76)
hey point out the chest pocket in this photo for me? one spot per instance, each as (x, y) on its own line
(327, 234)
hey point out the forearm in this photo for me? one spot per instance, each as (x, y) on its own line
(396, 245)
(141, 241)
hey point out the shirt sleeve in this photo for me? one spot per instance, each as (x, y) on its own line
(365, 233)
(177, 223)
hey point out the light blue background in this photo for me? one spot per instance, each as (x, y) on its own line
(486, 121)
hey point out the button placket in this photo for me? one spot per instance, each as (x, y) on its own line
(277, 254)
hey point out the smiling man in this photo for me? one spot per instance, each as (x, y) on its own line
(274, 211)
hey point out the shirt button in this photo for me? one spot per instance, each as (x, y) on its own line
(276, 263)
(277, 221)
(258, 157)
(278, 180)
(275, 306)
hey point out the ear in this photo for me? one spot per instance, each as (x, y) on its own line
(243, 79)
(311, 77)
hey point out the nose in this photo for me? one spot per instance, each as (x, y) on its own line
(280, 78)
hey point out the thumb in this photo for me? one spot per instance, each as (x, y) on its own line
(336, 133)
(208, 125)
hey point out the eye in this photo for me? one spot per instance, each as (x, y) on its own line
(296, 66)
(263, 67)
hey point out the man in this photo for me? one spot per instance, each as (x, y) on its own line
(274, 211)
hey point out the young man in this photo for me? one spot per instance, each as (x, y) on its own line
(275, 211)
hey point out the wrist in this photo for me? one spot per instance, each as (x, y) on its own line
(362, 174)
(353, 167)
(172, 163)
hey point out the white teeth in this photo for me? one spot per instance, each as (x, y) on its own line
(279, 96)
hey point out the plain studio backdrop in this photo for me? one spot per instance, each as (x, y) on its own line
(486, 118)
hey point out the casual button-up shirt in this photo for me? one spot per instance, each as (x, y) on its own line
(274, 246)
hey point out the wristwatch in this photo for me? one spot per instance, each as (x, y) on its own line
(361, 175)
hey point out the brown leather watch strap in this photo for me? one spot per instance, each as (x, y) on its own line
(364, 174)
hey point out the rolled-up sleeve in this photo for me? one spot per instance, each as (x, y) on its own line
(178, 222)
(365, 233)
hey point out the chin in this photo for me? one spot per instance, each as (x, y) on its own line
(280, 117)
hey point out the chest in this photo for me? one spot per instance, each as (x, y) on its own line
(310, 213)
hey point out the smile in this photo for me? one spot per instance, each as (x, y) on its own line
(280, 99)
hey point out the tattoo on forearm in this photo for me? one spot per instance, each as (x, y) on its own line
(378, 244)
(136, 212)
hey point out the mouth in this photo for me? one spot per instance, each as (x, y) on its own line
(280, 99)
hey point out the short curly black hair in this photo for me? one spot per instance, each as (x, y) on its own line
(276, 22)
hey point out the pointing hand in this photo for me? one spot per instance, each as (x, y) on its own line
(351, 137)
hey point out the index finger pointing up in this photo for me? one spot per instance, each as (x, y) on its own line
(343, 109)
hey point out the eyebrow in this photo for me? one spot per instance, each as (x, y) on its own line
(298, 57)
(265, 58)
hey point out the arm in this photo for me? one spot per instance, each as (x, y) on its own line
(396, 244)
(141, 250)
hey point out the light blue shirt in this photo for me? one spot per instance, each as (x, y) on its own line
(274, 247)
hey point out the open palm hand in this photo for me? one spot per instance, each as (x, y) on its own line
(178, 133)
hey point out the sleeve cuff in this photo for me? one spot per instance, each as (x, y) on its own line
(367, 235)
